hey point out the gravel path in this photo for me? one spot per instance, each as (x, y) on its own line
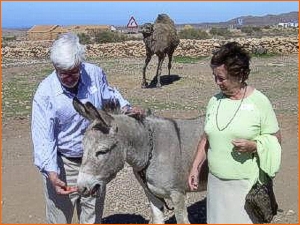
(22, 195)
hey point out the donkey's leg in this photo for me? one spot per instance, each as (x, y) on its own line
(180, 208)
(147, 60)
(157, 214)
(157, 206)
(158, 71)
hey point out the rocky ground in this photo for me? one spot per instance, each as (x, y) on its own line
(183, 95)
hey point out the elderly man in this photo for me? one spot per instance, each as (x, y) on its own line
(57, 129)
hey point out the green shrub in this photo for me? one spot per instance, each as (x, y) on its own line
(108, 37)
(102, 37)
(84, 38)
(219, 31)
(250, 30)
(192, 33)
(9, 38)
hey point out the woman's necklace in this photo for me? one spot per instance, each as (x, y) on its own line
(233, 115)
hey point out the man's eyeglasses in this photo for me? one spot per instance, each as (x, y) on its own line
(68, 73)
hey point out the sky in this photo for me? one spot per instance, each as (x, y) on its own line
(26, 14)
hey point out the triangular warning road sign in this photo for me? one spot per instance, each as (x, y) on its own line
(132, 23)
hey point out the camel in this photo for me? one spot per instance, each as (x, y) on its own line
(161, 39)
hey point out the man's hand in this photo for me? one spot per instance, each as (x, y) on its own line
(135, 112)
(243, 145)
(60, 187)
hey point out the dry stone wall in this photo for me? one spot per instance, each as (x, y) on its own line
(192, 48)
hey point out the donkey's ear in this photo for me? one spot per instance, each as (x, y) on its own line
(80, 108)
(101, 115)
(89, 113)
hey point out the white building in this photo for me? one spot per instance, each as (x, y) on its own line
(288, 24)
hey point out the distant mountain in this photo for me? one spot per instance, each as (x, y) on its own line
(266, 20)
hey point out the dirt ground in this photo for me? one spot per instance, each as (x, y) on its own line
(185, 95)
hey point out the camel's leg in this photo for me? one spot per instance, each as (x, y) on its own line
(157, 206)
(180, 208)
(170, 55)
(158, 71)
(147, 60)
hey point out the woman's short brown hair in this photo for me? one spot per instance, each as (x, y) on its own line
(235, 59)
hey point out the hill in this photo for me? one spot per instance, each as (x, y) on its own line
(267, 20)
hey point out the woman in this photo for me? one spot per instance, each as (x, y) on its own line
(239, 120)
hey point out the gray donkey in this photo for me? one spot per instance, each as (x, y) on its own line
(159, 150)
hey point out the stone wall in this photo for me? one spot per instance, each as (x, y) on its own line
(192, 48)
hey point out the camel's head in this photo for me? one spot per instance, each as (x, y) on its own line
(163, 18)
(146, 29)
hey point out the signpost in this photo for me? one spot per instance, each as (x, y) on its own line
(132, 25)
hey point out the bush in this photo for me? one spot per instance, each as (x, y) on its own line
(220, 32)
(251, 30)
(191, 33)
(108, 37)
(9, 38)
(102, 37)
(84, 38)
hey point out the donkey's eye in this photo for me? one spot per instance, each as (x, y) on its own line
(101, 153)
(105, 148)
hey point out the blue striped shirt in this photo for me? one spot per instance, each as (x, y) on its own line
(56, 126)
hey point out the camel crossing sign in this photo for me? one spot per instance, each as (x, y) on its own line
(132, 23)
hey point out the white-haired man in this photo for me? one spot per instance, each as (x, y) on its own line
(57, 129)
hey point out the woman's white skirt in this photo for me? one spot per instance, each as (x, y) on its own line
(226, 201)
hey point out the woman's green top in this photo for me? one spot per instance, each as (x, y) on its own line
(254, 117)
